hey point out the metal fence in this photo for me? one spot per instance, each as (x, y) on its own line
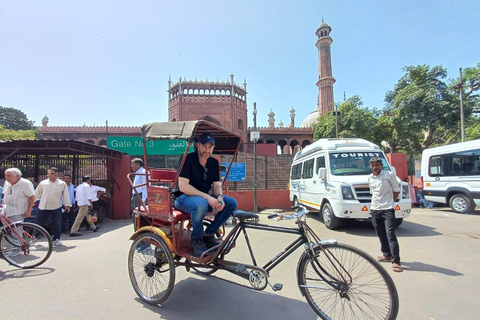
(34, 168)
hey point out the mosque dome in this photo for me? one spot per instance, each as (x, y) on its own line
(311, 119)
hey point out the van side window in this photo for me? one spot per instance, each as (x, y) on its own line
(308, 169)
(320, 163)
(463, 163)
(296, 171)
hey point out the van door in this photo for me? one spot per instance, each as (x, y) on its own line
(310, 182)
(319, 184)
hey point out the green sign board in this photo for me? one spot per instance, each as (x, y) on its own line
(133, 146)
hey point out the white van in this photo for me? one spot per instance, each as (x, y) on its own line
(451, 175)
(331, 175)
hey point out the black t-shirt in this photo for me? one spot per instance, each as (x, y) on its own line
(194, 172)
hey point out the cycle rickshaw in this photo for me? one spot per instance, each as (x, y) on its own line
(337, 280)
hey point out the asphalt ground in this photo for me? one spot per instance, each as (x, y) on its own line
(87, 277)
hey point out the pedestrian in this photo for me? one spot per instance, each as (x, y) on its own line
(68, 217)
(385, 189)
(199, 191)
(19, 195)
(84, 203)
(140, 180)
(50, 192)
(94, 190)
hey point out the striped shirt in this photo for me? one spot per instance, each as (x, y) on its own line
(16, 197)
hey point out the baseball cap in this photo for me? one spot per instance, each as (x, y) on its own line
(206, 137)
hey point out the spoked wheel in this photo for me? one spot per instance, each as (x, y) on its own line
(355, 287)
(32, 250)
(151, 268)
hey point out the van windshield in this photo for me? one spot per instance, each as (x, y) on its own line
(354, 163)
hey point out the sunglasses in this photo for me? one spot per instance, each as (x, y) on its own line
(205, 171)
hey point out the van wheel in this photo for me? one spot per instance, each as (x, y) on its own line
(329, 218)
(460, 203)
(296, 202)
(398, 222)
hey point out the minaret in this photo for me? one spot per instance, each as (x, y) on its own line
(271, 119)
(325, 80)
(292, 118)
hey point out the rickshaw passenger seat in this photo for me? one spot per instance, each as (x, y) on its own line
(162, 175)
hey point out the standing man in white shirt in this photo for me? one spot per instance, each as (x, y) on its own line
(19, 195)
(385, 189)
(84, 203)
(140, 179)
(50, 192)
(68, 216)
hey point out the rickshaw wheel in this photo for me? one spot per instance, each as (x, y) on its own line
(151, 268)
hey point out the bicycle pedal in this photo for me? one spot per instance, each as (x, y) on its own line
(240, 268)
(277, 287)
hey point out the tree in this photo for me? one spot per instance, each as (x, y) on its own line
(353, 122)
(419, 105)
(14, 119)
(7, 134)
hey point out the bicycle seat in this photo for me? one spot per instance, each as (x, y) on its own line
(242, 215)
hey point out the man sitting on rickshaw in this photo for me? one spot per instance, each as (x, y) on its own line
(199, 175)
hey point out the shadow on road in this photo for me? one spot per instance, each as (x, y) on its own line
(211, 298)
(25, 273)
(424, 267)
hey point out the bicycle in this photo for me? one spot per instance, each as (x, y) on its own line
(338, 281)
(23, 244)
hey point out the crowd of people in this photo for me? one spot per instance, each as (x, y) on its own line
(57, 199)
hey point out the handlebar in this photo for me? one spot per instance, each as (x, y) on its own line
(300, 211)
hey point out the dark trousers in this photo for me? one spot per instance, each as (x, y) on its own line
(57, 220)
(384, 223)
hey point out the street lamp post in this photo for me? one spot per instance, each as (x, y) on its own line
(462, 115)
(255, 138)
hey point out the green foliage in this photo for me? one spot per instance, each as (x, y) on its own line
(14, 119)
(7, 134)
(353, 122)
(419, 105)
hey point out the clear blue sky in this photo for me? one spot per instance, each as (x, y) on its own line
(84, 62)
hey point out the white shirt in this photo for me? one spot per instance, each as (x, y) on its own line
(382, 188)
(16, 197)
(94, 190)
(50, 194)
(83, 195)
(141, 179)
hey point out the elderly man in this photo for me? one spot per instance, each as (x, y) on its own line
(50, 192)
(18, 195)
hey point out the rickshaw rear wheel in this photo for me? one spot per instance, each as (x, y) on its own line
(151, 268)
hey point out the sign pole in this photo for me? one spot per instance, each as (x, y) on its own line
(255, 207)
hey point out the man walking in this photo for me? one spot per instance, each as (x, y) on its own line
(19, 195)
(68, 216)
(385, 189)
(84, 202)
(50, 192)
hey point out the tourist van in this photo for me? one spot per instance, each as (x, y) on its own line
(451, 175)
(331, 175)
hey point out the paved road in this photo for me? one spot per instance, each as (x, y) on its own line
(88, 277)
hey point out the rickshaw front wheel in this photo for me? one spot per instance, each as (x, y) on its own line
(151, 268)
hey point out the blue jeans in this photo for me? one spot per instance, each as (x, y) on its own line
(384, 223)
(57, 220)
(197, 207)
